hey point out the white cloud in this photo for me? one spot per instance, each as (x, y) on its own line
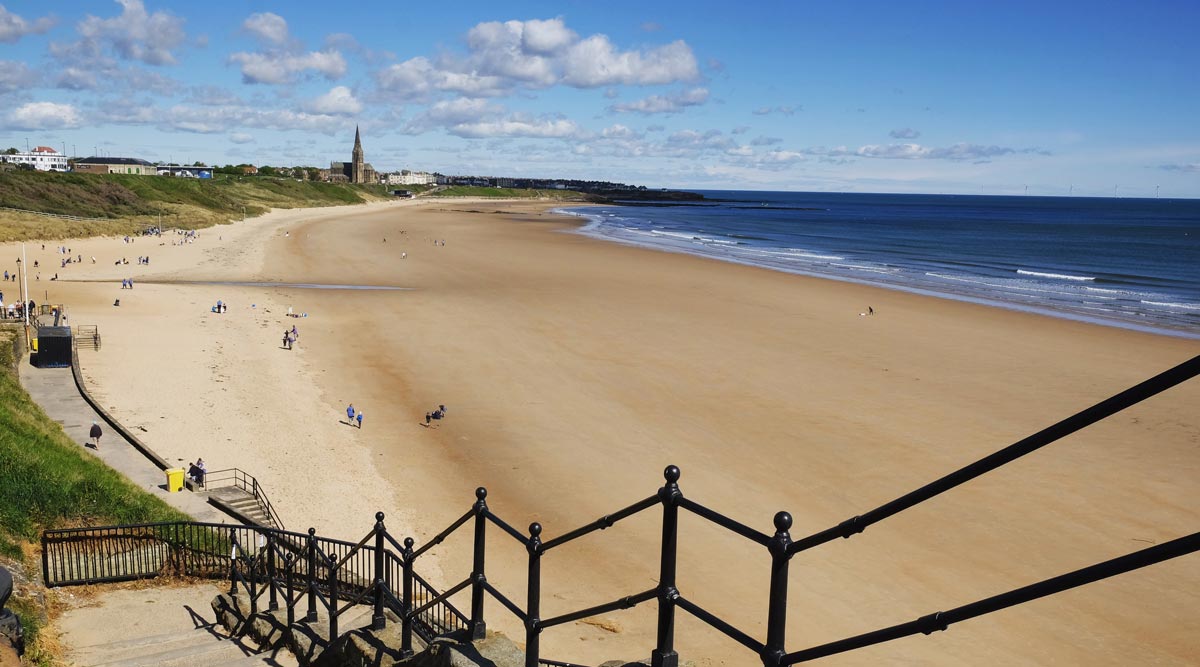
(15, 75)
(279, 68)
(134, 35)
(619, 132)
(518, 126)
(339, 100)
(452, 112)
(43, 116)
(904, 133)
(13, 27)
(535, 54)
(956, 152)
(241, 138)
(270, 28)
(595, 62)
(786, 110)
(673, 103)
(480, 119)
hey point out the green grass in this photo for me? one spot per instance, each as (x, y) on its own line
(125, 203)
(46, 480)
(506, 193)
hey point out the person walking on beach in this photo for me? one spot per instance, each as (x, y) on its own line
(287, 339)
(350, 413)
(95, 434)
(359, 418)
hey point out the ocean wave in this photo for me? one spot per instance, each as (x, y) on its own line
(1164, 304)
(1056, 276)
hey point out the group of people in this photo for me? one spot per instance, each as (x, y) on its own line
(440, 413)
(14, 310)
(354, 415)
(197, 471)
(144, 260)
(127, 283)
(290, 336)
(221, 307)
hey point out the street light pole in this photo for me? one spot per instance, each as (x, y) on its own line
(25, 289)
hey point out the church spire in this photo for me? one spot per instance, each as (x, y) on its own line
(358, 173)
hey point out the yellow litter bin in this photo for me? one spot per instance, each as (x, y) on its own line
(174, 479)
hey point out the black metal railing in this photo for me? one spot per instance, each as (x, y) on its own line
(334, 572)
(240, 479)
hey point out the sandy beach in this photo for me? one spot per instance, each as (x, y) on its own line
(574, 370)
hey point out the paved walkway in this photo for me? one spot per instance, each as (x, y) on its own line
(54, 390)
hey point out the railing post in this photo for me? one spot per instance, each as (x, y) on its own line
(478, 577)
(273, 602)
(664, 654)
(333, 603)
(774, 650)
(233, 549)
(378, 622)
(533, 624)
(289, 561)
(406, 629)
(46, 562)
(311, 616)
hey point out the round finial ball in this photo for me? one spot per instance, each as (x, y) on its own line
(783, 521)
(409, 542)
(312, 531)
(535, 529)
(672, 474)
(379, 516)
(481, 493)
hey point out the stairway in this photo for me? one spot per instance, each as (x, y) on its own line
(198, 647)
(241, 504)
(168, 626)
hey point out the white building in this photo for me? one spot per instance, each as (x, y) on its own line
(43, 158)
(406, 177)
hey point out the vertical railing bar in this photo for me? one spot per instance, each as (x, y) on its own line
(533, 600)
(478, 576)
(664, 654)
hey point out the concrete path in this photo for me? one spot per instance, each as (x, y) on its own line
(161, 627)
(54, 390)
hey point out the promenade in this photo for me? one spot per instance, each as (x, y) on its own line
(55, 391)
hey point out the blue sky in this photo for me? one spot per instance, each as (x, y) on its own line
(1096, 98)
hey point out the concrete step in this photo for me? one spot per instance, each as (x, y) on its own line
(101, 653)
(202, 652)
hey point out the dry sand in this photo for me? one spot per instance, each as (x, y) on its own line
(575, 370)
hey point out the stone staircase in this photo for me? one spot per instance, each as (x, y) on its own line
(161, 627)
(199, 647)
(240, 504)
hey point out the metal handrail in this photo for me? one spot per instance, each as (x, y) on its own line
(779, 546)
(248, 483)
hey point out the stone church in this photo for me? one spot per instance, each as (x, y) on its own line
(355, 171)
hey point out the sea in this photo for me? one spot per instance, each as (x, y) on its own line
(1131, 263)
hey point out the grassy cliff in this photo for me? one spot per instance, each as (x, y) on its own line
(124, 204)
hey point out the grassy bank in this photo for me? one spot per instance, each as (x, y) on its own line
(121, 204)
(508, 193)
(46, 480)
